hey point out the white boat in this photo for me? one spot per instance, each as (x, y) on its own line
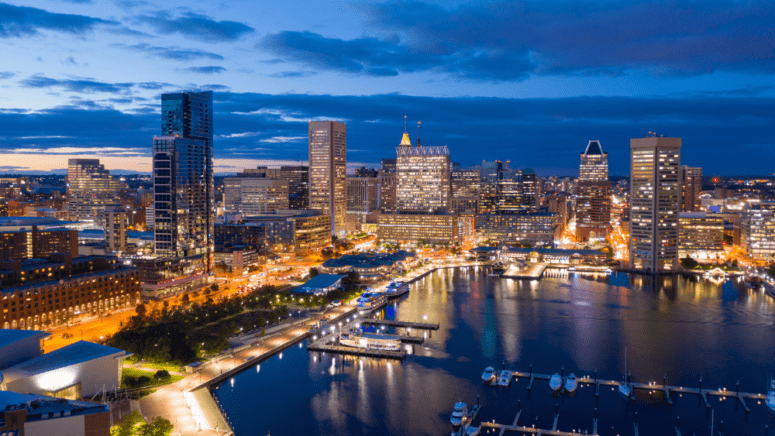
(473, 431)
(370, 341)
(771, 398)
(458, 413)
(394, 289)
(504, 379)
(571, 384)
(370, 301)
(555, 382)
(625, 390)
(488, 374)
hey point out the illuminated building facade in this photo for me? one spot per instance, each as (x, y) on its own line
(691, 188)
(593, 199)
(89, 189)
(533, 229)
(328, 171)
(35, 243)
(361, 195)
(115, 228)
(423, 178)
(655, 192)
(414, 229)
(388, 182)
(700, 236)
(254, 196)
(303, 231)
(757, 230)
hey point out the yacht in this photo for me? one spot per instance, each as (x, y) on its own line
(504, 379)
(370, 341)
(571, 384)
(473, 431)
(488, 374)
(771, 398)
(555, 382)
(394, 289)
(370, 301)
(459, 413)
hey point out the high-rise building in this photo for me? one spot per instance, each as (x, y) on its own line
(298, 185)
(89, 189)
(361, 195)
(328, 171)
(183, 178)
(700, 236)
(757, 230)
(691, 187)
(655, 189)
(593, 199)
(255, 195)
(388, 182)
(423, 177)
(115, 227)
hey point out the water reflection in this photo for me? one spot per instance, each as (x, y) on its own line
(686, 328)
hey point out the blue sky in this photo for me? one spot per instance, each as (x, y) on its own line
(530, 82)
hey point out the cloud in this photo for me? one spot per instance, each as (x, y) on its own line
(18, 21)
(126, 31)
(172, 53)
(6, 74)
(44, 137)
(80, 2)
(203, 70)
(86, 86)
(196, 26)
(98, 151)
(292, 74)
(283, 139)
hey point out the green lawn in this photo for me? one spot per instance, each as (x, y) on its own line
(130, 376)
(172, 368)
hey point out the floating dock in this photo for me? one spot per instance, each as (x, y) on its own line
(401, 324)
(352, 351)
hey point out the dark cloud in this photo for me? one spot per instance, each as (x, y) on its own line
(6, 74)
(79, 2)
(126, 31)
(539, 133)
(212, 69)
(510, 41)
(172, 53)
(195, 26)
(131, 4)
(85, 86)
(17, 21)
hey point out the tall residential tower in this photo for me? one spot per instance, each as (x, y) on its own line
(89, 189)
(593, 202)
(328, 171)
(655, 190)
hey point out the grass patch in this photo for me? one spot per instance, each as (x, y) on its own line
(157, 366)
(132, 378)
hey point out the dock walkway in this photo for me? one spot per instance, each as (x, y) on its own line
(363, 352)
(401, 324)
(534, 271)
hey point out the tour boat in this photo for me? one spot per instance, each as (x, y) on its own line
(459, 413)
(571, 384)
(555, 382)
(488, 374)
(370, 341)
(397, 288)
(771, 398)
(370, 301)
(505, 378)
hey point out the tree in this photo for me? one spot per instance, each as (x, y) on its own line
(214, 287)
(771, 270)
(141, 310)
(313, 272)
(130, 426)
(689, 263)
(158, 427)
(185, 299)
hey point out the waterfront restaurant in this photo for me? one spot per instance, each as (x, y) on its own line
(321, 284)
(370, 266)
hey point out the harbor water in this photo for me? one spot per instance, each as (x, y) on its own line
(684, 328)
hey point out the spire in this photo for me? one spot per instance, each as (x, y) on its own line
(593, 148)
(405, 141)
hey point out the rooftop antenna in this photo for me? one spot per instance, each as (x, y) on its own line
(404, 123)
(418, 131)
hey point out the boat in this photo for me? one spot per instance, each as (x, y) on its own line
(555, 382)
(488, 374)
(504, 379)
(458, 413)
(394, 289)
(771, 398)
(571, 384)
(370, 341)
(473, 431)
(572, 269)
(625, 390)
(370, 301)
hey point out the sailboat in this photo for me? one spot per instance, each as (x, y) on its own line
(625, 390)
(771, 398)
(555, 382)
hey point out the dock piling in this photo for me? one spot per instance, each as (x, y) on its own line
(766, 430)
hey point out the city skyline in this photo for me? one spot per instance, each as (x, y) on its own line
(69, 93)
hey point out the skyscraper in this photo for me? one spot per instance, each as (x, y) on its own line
(115, 227)
(183, 178)
(655, 190)
(89, 189)
(593, 200)
(328, 171)
(423, 177)
(388, 182)
(691, 188)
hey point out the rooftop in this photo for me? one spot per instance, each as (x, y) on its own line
(366, 260)
(593, 148)
(70, 355)
(8, 336)
(322, 281)
(37, 405)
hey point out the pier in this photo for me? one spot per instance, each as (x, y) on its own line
(352, 351)
(533, 272)
(401, 324)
